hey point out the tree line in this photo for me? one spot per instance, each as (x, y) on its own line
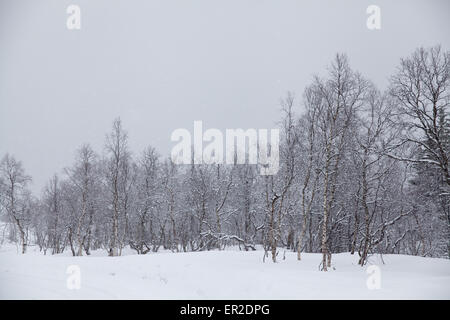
(361, 170)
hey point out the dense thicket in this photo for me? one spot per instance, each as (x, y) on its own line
(361, 171)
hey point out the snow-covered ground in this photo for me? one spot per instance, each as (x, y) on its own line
(229, 274)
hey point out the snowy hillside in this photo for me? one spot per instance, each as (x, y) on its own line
(218, 275)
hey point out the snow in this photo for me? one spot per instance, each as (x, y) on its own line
(229, 274)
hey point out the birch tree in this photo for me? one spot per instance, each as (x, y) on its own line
(15, 195)
(341, 95)
(421, 91)
(83, 176)
(115, 175)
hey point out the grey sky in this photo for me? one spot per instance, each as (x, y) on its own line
(160, 65)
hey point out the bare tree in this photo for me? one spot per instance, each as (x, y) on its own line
(52, 200)
(147, 198)
(115, 175)
(421, 91)
(277, 188)
(341, 95)
(311, 149)
(14, 196)
(83, 176)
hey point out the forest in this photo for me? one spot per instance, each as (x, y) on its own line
(361, 170)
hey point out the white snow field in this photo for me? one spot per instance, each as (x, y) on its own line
(229, 274)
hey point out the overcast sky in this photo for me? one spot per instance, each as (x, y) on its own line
(161, 64)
